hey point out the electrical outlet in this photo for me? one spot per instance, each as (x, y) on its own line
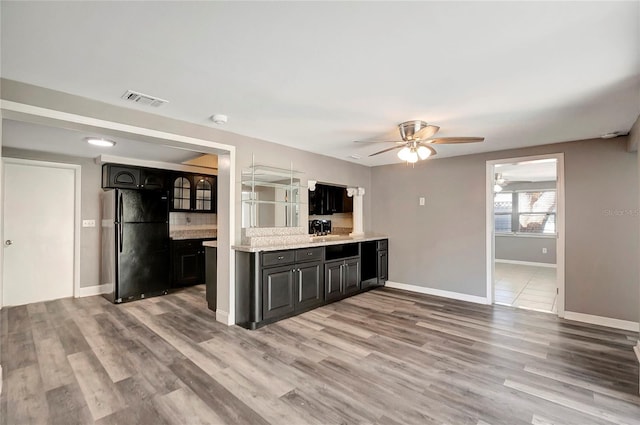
(421, 201)
(88, 223)
(544, 250)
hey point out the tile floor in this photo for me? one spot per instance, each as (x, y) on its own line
(529, 287)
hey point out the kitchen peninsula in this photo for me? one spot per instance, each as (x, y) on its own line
(287, 277)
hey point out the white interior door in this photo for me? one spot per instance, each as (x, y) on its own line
(39, 231)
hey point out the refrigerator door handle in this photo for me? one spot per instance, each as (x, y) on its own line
(120, 206)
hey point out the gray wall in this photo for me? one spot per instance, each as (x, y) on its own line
(90, 190)
(442, 245)
(525, 248)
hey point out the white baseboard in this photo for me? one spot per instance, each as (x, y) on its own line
(90, 291)
(437, 292)
(602, 321)
(223, 317)
(526, 263)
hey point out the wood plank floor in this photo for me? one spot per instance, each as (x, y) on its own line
(383, 357)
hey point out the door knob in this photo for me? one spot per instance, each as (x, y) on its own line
(8, 242)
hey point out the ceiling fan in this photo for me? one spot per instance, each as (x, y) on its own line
(417, 136)
(501, 181)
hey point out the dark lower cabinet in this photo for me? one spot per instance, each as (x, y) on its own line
(273, 285)
(333, 280)
(342, 277)
(383, 266)
(188, 262)
(278, 287)
(309, 285)
(374, 263)
(286, 289)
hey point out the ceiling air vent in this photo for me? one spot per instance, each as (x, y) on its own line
(143, 99)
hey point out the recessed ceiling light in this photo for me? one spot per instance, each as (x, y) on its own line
(219, 118)
(104, 143)
(355, 156)
(610, 135)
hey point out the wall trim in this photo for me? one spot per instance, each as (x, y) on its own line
(89, 291)
(223, 317)
(602, 321)
(437, 292)
(526, 263)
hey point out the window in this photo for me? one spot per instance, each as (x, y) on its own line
(503, 212)
(525, 212)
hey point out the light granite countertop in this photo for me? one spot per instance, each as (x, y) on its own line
(313, 241)
(192, 232)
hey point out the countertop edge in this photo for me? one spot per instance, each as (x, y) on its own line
(365, 238)
(210, 244)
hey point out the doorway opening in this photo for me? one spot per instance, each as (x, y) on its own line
(525, 233)
(225, 270)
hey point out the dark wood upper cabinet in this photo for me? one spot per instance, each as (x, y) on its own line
(120, 176)
(153, 179)
(326, 200)
(190, 192)
(132, 177)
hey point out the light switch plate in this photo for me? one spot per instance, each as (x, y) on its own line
(88, 223)
(421, 200)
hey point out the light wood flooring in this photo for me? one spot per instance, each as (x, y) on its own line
(382, 357)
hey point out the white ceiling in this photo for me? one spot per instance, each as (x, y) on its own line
(319, 75)
(530, 171)
(42, 138)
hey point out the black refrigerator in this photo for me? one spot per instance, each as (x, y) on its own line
(135, 244)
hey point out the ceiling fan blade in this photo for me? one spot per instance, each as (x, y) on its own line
(379, 141)
(426, 132)
(446, 140)
(386, 150)
(433, 151)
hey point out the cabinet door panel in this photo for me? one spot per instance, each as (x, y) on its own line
(383, 266)
(181, 193)
(310, 285)
(188, 264)
(277, 292)
(152, 179)
(333, 280)
(123, 177)
(351, 276)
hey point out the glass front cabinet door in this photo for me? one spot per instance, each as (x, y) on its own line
(194, 193)
(181, 194)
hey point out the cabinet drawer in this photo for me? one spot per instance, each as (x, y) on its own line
(383, 244)
(308, 254)
(278, 257)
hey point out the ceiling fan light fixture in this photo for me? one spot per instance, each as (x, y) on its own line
(423, 152)
(413, 156)
(403, 154)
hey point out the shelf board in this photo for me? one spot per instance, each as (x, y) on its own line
(249, 184)
(267, 169)
(251, 201)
